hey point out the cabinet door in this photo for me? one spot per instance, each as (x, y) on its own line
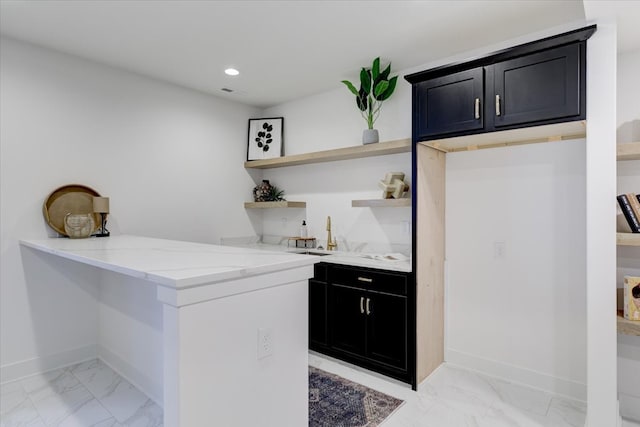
(347, 319)
(387, 329)
(317, 314)
(449, 104)
(538, 87)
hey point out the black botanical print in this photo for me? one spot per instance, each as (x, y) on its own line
(264, 136)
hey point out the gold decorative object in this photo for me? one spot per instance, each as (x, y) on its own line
(393, 185)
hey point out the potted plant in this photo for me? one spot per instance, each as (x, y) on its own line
(375, 87)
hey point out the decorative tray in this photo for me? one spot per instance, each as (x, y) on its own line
(74, 199)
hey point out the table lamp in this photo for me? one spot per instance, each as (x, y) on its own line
(101, 206)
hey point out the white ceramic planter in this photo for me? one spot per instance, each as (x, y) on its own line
(370, 136)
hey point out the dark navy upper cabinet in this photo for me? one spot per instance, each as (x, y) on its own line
(539, 87)
(451, 103)
(537, 83)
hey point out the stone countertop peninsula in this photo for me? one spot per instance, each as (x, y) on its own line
(170, 263)
(358, 259)
(216, 303)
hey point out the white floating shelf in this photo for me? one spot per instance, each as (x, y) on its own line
(628, 239)
(629, 151)
(381, 203)
(357, 152)
(628, 327)
(506, 138)
(268, 205)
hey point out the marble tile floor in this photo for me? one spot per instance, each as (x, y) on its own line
(82, 395)
(455, 397)
(92, 394)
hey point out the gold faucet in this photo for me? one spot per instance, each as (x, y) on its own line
(331, 244)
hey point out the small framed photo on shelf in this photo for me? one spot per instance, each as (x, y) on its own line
(265, 138)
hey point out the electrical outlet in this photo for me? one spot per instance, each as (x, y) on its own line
(265, 342)
(406, 227)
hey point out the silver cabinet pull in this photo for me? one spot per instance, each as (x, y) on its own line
(365, 279)
(361, 305)
(497, 105)
(477, 108)
(368, 308)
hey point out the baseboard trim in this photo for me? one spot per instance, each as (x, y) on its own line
(37, 365)
(153, 389)
(515, 374)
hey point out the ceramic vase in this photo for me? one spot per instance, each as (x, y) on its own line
(261, 191)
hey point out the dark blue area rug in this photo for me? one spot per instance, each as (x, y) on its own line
(337, 402)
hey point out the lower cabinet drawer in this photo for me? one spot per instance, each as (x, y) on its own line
(369, 279)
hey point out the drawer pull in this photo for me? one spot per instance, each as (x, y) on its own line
(497, 105)
(361, 305)
(477, 108)
(365, 279)
(368, 308)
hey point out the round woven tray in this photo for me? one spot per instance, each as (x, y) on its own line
(74, 199)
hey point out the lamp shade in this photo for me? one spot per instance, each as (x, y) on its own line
(101, 204)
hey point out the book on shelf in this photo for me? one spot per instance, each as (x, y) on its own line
(627, 203)
(635, 204)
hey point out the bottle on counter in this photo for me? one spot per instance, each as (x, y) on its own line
(303, 230)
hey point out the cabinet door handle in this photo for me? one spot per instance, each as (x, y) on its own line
(477, 108)
(361, 305)
(368, 308)
(497, 105)
(365, 279)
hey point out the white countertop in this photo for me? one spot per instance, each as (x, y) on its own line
(174, 264)
(358, 259)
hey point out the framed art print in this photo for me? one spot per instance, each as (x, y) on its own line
(265, 138)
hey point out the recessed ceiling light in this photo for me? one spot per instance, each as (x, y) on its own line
(231, 72)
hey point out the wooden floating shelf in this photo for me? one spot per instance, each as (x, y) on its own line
(506, 138)
(357, 152)
(628, 239)
(267, 205)
(628, 327)
(629, 151)
(380, 203)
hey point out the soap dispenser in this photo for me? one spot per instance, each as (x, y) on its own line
(303, 230)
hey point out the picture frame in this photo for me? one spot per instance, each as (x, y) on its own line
(265, 138)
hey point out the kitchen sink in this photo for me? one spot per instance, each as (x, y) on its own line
(312, 253)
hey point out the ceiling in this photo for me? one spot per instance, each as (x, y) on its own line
(285, 49)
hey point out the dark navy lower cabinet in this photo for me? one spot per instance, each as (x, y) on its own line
(370, 318)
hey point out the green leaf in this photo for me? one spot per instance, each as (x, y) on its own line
(375, 70)
(389, 90)
(380, 88)
(385, 74)
(365, 80)
(361, 100)
(351, 87)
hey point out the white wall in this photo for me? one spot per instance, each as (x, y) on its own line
(520, 316)
(332, 120)
(163, 154)
(628, 112)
